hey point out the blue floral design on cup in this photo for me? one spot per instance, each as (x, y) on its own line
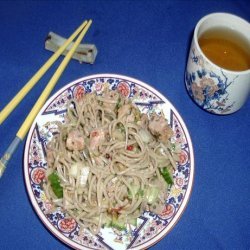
(208, 89)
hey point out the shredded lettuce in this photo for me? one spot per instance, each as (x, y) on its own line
(136, 191)
(152, 194)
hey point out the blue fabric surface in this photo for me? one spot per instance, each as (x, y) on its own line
(147, 40)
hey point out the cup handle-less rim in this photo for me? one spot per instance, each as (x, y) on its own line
(221, 15)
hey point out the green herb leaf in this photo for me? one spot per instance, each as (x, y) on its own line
(119, 103)
(118, 224)
(55, 185)
(140, 192)
(121, 127)
(173, 146)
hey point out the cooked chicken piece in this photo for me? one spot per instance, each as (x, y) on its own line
(130, 118)
(75, 140)
(124, 110)
(143, 121)
(158, 126)
(135, 114)
(111, 98)
(97, 137)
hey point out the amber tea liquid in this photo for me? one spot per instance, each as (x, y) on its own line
(226, 48)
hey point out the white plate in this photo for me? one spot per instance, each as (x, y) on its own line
(151, 227)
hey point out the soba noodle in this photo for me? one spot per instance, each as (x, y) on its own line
(109, 162)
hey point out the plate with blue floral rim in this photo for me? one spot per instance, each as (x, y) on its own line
(150, 227)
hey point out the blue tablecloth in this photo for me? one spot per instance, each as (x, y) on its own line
(147, 40)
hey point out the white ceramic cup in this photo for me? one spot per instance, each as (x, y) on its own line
(215, 89)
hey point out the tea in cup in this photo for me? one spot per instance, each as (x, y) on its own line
(217, 75)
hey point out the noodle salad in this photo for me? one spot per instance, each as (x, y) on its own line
(109, 162)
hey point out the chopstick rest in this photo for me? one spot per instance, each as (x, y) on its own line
(21, 133)
(84, 53)
(35, 78)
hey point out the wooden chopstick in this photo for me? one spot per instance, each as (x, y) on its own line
(34, 79)
(40, 102)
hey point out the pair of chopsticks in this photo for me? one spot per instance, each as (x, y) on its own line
(81, 31)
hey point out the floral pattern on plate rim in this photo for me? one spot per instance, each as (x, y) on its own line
(151, 227)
